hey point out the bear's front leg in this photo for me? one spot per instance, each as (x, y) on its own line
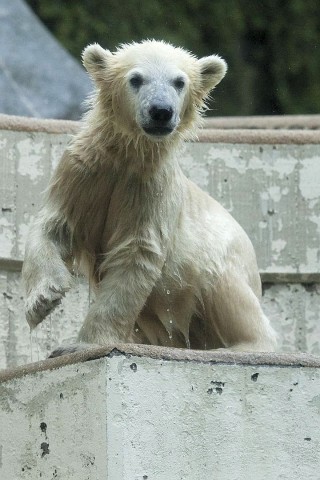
(45, 274)
(122, 293)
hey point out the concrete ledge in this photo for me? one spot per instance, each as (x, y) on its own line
(259, 136)
(211, 357)
(291, 122)
(29, 124)
(144, 413)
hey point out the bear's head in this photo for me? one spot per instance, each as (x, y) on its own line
(152, 88)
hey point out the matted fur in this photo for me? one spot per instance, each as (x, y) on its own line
(170, 265)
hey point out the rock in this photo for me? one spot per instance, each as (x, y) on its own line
(38, 77)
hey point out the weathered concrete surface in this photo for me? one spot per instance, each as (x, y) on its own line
(53, 425)
(268, 180)
(38, 77)
(274, 193)
(17, 345)
(294, 311)
(155, 414)
(272, 190)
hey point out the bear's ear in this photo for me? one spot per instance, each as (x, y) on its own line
(212, 70)
(95, 59)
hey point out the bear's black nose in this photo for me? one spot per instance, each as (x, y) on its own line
(161, 113)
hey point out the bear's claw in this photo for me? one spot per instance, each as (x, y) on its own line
(40, 305)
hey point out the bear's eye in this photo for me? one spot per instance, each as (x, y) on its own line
(179, 83)
(136, 80)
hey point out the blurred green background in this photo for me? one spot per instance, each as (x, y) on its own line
(272, 47)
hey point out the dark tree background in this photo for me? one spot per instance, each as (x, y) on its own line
(272, 46)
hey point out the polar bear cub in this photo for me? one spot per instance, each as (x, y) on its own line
(170, 265)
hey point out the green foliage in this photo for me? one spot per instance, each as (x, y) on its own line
(271, 46)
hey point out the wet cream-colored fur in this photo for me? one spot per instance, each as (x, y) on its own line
(170, 265)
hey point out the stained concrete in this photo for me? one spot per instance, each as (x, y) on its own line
(272, 189)
(53, 425)
(136, 412)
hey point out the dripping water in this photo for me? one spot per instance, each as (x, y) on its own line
(167, 291)
(31, 339)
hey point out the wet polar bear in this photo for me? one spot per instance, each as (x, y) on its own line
(170, 265)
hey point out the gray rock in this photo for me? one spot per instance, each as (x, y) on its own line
(38, 77)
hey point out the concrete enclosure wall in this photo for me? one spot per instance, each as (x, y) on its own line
(268, 180)
(146, 413)
(129, 412)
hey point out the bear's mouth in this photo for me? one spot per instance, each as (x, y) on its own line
(158, 131)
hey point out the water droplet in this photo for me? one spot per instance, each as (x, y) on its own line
(168, 309)
(31, 338)
(170, 321)
(168, 292)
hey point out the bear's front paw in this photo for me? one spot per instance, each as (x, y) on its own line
(72, 348)
(42, 301)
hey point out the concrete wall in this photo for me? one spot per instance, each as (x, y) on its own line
(268, 180)
(146, 413)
